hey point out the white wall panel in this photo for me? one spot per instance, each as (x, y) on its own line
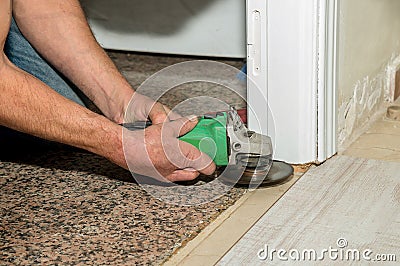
(190, 27)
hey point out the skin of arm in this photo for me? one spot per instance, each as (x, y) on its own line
(60, 33)
(28, 105)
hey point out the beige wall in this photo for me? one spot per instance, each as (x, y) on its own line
(369, 44)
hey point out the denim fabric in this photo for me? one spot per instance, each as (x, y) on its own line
(21, 53)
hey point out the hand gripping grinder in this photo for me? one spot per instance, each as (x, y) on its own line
(225, 138)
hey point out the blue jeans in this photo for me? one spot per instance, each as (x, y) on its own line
(21, 53)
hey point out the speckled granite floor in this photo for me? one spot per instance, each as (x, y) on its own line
(63, 206)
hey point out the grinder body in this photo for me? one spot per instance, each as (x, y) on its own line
(225, 139)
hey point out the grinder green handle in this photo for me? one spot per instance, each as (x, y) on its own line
(210, 137)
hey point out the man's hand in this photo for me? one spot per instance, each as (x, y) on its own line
(157, 152)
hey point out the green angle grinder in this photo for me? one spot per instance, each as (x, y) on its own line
(225, 138)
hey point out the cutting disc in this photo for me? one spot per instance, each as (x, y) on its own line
(278, 173)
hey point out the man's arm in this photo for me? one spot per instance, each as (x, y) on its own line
(59, 31)
(30, 106)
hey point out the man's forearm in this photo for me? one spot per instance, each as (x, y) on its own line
(59, 31)
(30, 106)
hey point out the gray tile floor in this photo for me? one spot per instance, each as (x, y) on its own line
(347, 204)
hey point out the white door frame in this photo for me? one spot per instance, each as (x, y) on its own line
(292, 59)
(327, 78)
